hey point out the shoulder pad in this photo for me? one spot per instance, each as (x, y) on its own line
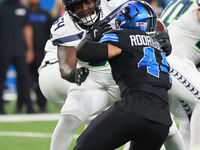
(64, 31)
(59, 26)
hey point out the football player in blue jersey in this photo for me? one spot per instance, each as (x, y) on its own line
(140, 69)
(77, 103)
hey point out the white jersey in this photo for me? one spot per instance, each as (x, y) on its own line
(186, 30)
(183, 28)
(66, 32)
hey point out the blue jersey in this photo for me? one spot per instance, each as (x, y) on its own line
(142, 65)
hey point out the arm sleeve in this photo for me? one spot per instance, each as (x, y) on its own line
(26, 20)
(88, 50)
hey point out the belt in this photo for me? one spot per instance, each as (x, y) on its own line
(49, 63)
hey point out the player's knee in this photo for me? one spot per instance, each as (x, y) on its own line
(70, 121)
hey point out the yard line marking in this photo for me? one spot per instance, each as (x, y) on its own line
(29, 117)
(25, 134)
(30, 134)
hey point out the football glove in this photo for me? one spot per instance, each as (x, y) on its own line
(99, 29)
(79, 75)
(163, 39)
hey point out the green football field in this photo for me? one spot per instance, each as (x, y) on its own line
(25, 132)
(22, 132)
(28, 135)
(31, 135)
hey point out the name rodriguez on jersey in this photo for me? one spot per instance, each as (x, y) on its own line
(137, 40)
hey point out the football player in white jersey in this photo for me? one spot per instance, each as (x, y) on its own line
(182, 110)
(98, 91)
(185, 38)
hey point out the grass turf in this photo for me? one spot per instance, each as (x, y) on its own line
(23, 142)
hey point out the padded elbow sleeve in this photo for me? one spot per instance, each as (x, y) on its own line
(91, 51)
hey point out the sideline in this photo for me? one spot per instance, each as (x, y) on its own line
(29, 117)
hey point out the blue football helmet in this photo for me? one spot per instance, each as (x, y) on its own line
(93, 11)
(137, 15)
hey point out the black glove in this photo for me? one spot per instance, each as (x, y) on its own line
(79, 75)
(98, 30)
(163, 39)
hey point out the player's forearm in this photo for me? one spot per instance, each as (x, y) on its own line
(91, 51)
(67, 61)
(28, 36)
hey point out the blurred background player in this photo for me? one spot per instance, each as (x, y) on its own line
(41, 22)
(16, 47)
(58, 10)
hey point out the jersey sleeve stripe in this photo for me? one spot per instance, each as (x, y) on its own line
(109, 37)
(68, 39)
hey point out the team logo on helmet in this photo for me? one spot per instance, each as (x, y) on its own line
(136, 15)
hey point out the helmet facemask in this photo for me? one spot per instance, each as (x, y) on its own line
(85, 17)
(152, 19)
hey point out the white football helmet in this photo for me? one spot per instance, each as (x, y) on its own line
(86, 17)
